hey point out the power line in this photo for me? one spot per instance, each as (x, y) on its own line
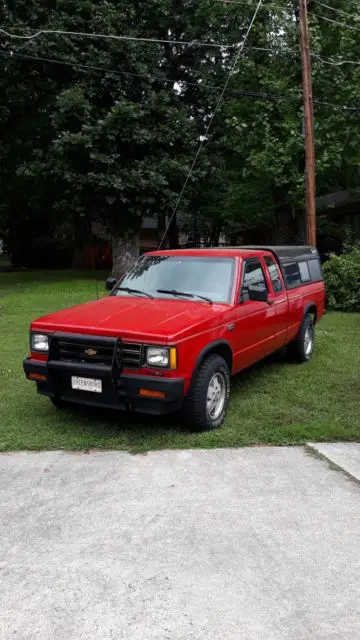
(156, 78)
(293, 52)
(244, 2)
(114, 37)
(340, 24)
(336, 105)
(340, 11)
(334, 63)
(84, 67)
(236, 92)
(202, 142)
(284, 8)
(272, 50)
(253, 4)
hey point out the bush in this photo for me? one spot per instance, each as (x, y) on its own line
(342, 279)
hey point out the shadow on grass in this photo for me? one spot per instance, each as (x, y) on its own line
(103, 424)
(249, 378)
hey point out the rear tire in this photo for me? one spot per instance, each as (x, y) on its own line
(302, 348)
(206, 403)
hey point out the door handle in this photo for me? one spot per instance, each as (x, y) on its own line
(271, 302)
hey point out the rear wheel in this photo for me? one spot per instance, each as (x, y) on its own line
(206, 403)
(302, 348)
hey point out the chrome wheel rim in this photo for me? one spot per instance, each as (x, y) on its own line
(308, 341)
(216, 396)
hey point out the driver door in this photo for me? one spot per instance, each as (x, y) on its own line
(255, 321)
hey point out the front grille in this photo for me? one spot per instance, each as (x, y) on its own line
(131, 355)
(83, 350)
(78, 349)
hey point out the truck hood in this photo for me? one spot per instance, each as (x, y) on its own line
(134, 318)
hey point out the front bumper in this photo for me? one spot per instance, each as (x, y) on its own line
(119, 391)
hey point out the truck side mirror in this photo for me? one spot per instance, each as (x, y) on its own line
(259, 295)
(110, 283)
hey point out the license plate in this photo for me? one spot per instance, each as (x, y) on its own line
(86, 384)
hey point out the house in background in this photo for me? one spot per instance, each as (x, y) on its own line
(341, 206)
(338, 214)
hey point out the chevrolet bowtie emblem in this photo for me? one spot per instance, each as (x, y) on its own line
(90, 352)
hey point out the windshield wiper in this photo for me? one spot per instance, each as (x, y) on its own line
(135, 291)
(182, 294)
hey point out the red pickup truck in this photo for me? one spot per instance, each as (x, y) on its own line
(175, 329)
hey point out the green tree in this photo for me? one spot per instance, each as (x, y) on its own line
(110, 130)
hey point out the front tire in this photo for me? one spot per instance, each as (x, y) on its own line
(302, 349)
(58, 403)
(207, 401)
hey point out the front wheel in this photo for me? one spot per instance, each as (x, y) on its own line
(58, 403)
(207, 401)
(302, 349)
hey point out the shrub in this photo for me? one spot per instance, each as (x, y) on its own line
(342, 279)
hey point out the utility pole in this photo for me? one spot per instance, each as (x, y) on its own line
(309, 125)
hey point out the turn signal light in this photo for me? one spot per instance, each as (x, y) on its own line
(173, 358)
(148, 393)
(39, 377)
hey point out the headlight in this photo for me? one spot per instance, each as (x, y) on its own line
(162, 357)
(39, 342)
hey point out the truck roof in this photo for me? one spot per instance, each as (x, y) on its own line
(283, 253)
(231, 252)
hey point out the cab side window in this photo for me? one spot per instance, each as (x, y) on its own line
(253, 277)
(274, 273)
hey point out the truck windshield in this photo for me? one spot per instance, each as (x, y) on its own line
(160, 276)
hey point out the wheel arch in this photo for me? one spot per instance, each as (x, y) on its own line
(311, 309)
(218, 347)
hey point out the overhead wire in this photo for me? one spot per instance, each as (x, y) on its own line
(269, 5)
(352, 2)
(108, 36)
(272, 5)
(335, 63)
(155, 78)
(159, 78)
(340, 11)
(256, 95)
(272, 50)
(340, 24)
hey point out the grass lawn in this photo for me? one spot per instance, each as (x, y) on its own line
(275, 402)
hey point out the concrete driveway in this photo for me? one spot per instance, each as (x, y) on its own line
(249, 544)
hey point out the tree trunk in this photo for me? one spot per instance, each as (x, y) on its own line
(125, 250)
